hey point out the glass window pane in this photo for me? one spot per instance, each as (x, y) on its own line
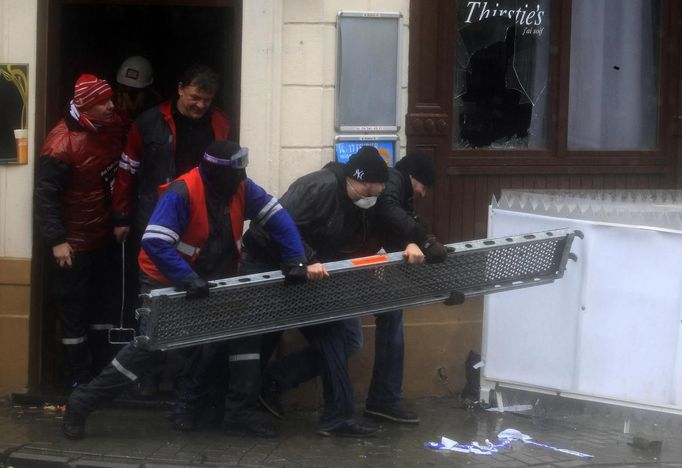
(614, 77)
(502, 74)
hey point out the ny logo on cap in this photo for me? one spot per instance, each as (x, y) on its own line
(359, 175)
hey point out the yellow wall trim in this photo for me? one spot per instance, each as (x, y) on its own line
(15, 306)
(15, 271)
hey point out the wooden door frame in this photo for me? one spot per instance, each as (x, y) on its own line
(48, 108)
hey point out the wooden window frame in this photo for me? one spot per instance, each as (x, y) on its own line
(557, 153)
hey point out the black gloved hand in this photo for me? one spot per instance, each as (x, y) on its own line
(294, 273)
(196, 288)
(434, 251)
(456, 298)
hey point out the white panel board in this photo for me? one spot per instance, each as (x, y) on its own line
(610, 329)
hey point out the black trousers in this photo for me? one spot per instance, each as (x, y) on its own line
(87, 299)
(241, 358)
(130, 364)
(225, 375)
(327, 356)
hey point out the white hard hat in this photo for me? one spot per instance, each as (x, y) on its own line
(135, 72)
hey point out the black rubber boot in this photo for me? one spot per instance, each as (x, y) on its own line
(73, 424)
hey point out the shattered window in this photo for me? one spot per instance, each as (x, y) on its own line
(501, 74)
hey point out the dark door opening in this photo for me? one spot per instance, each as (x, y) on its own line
(95, 37)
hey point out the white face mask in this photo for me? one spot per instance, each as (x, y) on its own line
(365, 202)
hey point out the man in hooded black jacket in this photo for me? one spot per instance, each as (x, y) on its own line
(413, 175)
(395, 227)
(334, 213)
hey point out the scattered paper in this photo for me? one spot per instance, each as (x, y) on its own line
(506, 437)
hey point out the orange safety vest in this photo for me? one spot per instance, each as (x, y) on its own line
(196, 234)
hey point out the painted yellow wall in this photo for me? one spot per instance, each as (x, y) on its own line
(288, 84)
(15, 294)
(18, 23)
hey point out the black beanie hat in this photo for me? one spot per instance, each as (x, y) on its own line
(367, 165)
(418, 166)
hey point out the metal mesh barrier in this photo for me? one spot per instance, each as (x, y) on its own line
(255, 304)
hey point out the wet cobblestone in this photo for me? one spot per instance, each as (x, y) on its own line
(127, 438)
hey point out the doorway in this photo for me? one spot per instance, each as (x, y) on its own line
(95, 37)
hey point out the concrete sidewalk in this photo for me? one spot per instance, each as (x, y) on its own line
(127, 437)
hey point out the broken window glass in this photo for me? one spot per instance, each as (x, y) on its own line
(501, 74)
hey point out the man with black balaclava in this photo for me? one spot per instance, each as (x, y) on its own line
(193, 236)
(162, 143)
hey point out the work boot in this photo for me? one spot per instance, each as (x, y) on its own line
(249, 425)
(73, 424)
(184, 422)
(394, 413)
(210, 417)
(148, 386)
(270, 398)
(348, 429)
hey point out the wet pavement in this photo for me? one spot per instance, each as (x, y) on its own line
(122, 436)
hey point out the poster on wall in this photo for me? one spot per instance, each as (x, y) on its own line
(367, 71)
(13, 118)
(347, 145)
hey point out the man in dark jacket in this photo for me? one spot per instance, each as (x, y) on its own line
(193, 236)
(164, 142)
(398, 229)
(333, 211)
(73, 204)
(413, 175)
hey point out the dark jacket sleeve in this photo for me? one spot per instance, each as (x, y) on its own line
(53, 175)
(399, 223)
(311, 201)
(264, 210)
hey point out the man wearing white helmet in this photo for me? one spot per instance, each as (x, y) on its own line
(135, 93)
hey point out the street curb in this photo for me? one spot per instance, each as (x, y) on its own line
(28, 459)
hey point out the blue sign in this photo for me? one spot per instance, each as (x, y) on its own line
(386, 148)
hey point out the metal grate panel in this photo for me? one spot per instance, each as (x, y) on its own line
(255, 304)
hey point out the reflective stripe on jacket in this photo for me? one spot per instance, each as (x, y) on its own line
(197, 232)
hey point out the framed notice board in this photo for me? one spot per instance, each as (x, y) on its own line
(368, 71)
(346, 145)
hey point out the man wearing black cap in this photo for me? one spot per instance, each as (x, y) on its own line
(333, 209)
(413, 174)
(193, 236)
